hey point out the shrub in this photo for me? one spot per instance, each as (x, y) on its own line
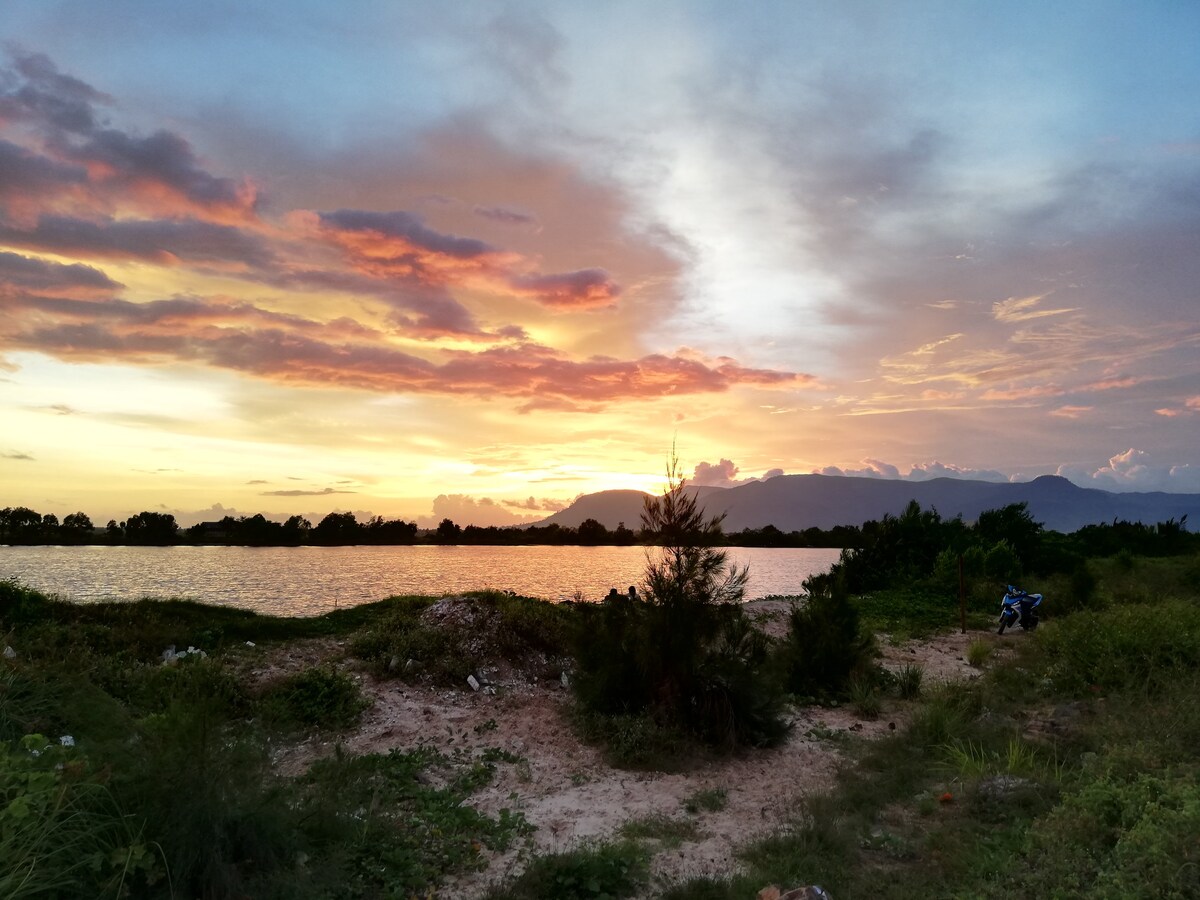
(1143, 646)
(978, 652)
(825, 644)
(908, 681)
(683, 652)
(320, 697)
(604, 872)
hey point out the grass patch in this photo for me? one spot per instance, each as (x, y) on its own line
(661, 828)
(612, 870)
(318, 697)
(707, 800)
(909, 681)
(978, 652)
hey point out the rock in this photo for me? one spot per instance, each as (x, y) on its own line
(805, 892)
(393, 664)
(566, 680)
(998, 787)
(250, 644)
(10, 653)
(411, 665)
(471, 680)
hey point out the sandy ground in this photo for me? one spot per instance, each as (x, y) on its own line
(565, 789)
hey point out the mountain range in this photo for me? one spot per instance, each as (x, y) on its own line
(797, 502)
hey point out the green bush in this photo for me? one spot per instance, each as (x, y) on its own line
(1141, 646)
(604, 872)
(318, 697)
(1118, 838)
(61, 834)
(825, 645)
(684, 652)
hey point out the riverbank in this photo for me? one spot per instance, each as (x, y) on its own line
(572, 796)
(173, 749)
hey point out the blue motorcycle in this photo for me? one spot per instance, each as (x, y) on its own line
(1019, 608)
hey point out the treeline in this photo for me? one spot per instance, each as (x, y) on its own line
(921, 549)
(22, 525)
(1001, 540)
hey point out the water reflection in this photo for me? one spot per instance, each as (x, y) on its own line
(313, 580)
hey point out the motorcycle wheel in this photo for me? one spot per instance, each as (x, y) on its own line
(1003, 625)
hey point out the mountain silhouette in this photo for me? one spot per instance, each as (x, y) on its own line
(796, 502)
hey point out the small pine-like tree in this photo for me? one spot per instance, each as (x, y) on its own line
(825, 644)
(683, 651)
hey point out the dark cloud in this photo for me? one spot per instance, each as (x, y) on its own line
(17, 455)
(61, 109)
(163, 159)
(406, 227)
(41, 93)
(724, 474)
(584, 289)
(28, 175)
(298, 493)
(39, 275)
(505, 215)
(157, 240)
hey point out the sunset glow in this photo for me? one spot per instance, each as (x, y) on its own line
(476, 261)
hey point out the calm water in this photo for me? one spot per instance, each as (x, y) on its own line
(311, 580)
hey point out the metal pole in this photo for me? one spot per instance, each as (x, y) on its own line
(962, 595)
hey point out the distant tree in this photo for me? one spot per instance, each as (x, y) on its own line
(21, 524)
(447, 532)
(623, 536)
(1014, 525)
(151, 528)
(114, 532)
(337, 528)
(296, 530)
(76, 527)
(590, 531)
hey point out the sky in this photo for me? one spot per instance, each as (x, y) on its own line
(472, 260)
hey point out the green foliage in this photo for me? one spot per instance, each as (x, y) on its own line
(60, 832)
(1136, 646)
(394, 834)
(667, 831)
(864, 697)
(978, 652)
(486, 627)
(636, 740)
(603, 872)
(707, 800)
(908, 681)
(318, 697)
(825, 644)
(683, 652)
(1117, 837)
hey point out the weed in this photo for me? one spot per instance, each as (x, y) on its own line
(667, 831)
(908, 681)
(318, 697)
(600, 872)
(978, 652)
(707, 800)
(865, 698)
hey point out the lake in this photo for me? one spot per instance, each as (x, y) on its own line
(303, 581)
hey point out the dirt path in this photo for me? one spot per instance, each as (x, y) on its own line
(564, 788)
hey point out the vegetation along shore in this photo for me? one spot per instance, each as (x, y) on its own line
(680, 744)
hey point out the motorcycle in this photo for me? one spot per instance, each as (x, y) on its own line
(1019, 607)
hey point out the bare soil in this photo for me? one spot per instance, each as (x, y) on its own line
(567, 791)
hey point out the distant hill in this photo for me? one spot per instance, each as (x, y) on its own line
(796, 502)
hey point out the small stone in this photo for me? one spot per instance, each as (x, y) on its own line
(250, 644)
(471, 680)
(566, 680)
(393, 664)
(10, 653)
